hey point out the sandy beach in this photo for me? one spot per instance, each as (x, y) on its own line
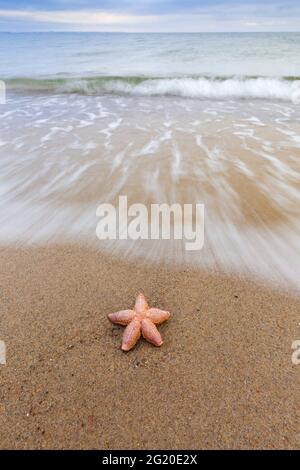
(222, 379)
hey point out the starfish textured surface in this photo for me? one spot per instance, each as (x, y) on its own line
(142, 320)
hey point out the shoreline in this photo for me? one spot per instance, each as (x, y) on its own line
(222, 379)
(228, 156)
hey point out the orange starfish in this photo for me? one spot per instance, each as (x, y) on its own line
(140, 320)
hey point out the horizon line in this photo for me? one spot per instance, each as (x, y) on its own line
(149, 32)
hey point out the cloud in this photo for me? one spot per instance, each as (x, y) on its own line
(150, 15)
(75, 17)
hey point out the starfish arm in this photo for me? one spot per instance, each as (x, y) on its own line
(151, 333)
(157, 316)
(140, 304)
(124, 317)
(131, 335)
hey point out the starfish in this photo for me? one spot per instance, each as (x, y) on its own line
(140, 320)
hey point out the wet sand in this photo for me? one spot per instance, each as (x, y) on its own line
(64, 155)
(222, 379)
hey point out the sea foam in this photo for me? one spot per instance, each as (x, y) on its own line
(258, 88)
(186, 87)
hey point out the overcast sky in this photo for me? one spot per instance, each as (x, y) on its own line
(150, 15)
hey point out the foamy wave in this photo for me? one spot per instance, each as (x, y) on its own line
(210, 89)
(200, 88)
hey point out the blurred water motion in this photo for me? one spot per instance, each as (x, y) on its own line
(63, 155)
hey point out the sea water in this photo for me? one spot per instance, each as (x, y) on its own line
(159, 118)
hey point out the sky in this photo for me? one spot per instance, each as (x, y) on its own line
(150, 15)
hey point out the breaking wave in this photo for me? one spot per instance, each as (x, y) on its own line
(219, 88)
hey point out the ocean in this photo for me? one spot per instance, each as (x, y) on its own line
(187, 118)
(188, 65)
